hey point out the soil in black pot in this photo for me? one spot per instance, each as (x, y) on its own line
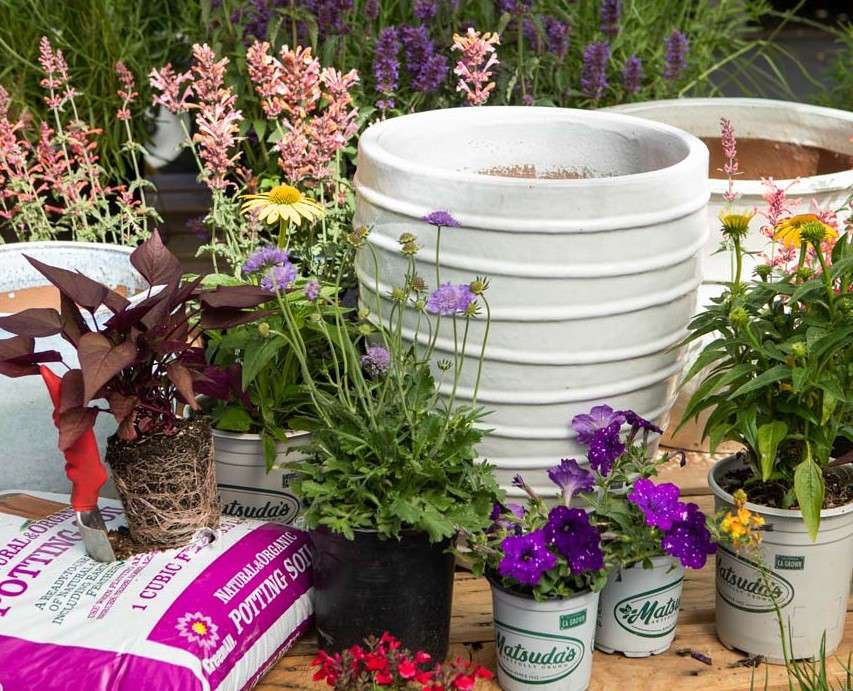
(166, 484)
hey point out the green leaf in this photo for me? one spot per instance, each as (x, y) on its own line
(406, 510)
(809, 488)
(774, 374)
(234, 419)
(770, 435)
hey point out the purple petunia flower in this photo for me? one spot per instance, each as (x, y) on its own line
(640, 423)
(441, 219)
(659, 503)
(571, 478)
(632, 74)
(556, 36)
(526, 558)
(264, 258)
(600, 417)
(689, 539)
(425, 10)
(376, 361)
(500, 517)
(386, 65)
(575, 538)
(608, 16)
(594, 73)
(450, 299)
(279, 278)
(605, 447)
(371, 9)
(676, 55)
(311, 290)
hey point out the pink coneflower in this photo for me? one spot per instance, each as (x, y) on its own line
(475, 64)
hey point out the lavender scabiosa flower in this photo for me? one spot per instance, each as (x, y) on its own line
(608, 15)
(598, 418)
(632, 75)
(594, 73)
(570, 478)
(676, 55)
(556, 36)
(386, 65)
(440, 219)
(370, 9)
(425, 10)
(570, 531)
(264, 258)
(279, 278)
(449, 299)
(605, 447)
(659, 503)
(376, 361)
(526, 558)
(311, 290)
(689, 539)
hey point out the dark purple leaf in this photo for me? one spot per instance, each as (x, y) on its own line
(81, 289)
(73, 424)
(71, 390)
(121, 406)
(133, 315)
(38, 322)
(16, 346)
(100, 361)
(237, 297)
(182, 379)
(73, 324)
(156, 263)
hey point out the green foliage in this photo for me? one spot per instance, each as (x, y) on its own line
(838, 92)
(779, 374)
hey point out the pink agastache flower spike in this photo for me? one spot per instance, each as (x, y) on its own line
(56, 79)
(168, 83)
(475, 64)
(127, 93)
(730, 167)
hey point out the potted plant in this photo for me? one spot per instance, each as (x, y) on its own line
(648, 536)
(776, 377)
(146, 362)
(546, 568)
(391, 474)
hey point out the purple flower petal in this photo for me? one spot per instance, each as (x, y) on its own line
(526, 558)
(441, 218)
(575, 538)
(571, 478)
(600, 417)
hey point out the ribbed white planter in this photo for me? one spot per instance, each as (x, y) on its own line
(757, 118)
(638, 609)
(245, 487)
(809, 581)
(29, 455)
(592, 280)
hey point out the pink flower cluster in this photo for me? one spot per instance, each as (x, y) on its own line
(127, 92)
(730, 152)
(56, 79)
(312, 106)
(217, 119)
(475, 64)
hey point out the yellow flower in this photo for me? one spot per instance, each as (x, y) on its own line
(789, 230)
(283, 203)
(743, 526)
(733, 526)
(736, 224)
(199, 627)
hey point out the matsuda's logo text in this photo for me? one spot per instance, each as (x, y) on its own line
(746, 585)
(541, 658)
(650, 614)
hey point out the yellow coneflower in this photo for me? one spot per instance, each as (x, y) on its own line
(789, 231)
(736, 224)
(283, 203)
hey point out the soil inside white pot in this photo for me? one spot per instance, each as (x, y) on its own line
(767, 158)
(38, 296)
(529, 170)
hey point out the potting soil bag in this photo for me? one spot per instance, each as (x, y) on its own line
(206, 616)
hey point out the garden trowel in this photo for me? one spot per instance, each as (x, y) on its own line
(83, 467)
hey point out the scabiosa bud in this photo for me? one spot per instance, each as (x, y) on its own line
(676, 55)
(594, 73)
(479, 285)
(264, 329)
(376, 361)
(609, 17)
(799, 349)
(763, 271)
(386, 65)
(556, 36)
(417, 284)
(311, 290)
(632, 75)
(358, 236)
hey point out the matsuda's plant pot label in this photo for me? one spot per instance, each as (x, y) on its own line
(638, 609)
(746, 585)
(544, 645)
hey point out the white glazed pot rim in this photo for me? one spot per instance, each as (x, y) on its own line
(519, 115)
(251, 436)
(804, 187)
(725, 463)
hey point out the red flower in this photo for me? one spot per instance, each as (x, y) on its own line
(434, 687)
(423, 678)
(483, 673)
(407, 669)
(464, 682)
(389, 640)
(384, 679)
(357, 652)
(375, 662)
(422, 658)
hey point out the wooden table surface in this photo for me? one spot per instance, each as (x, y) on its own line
(472, 633)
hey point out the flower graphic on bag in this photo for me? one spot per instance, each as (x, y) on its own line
(199, 629)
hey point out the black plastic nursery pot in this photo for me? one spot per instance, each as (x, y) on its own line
(367, 586)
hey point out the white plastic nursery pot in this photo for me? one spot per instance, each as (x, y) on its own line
(29, 454)
(638, 609)
(544, 645)
(810, 581)
(246, 489)
(589, 227)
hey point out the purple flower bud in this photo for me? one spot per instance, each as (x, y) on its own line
(609, 17)
(556, 36)
(371, 10)
(632, 75)
(376, 361)
(676, 55)
(386, 65)
(425, 10)
(594, 73)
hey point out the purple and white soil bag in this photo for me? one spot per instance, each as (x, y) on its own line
(207, 616)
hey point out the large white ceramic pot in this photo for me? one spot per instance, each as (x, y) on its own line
(593, 263)
(29, 456)
(808, 581)
(821, 156)
(246, 489)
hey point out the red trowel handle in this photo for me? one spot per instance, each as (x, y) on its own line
(82, 460)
